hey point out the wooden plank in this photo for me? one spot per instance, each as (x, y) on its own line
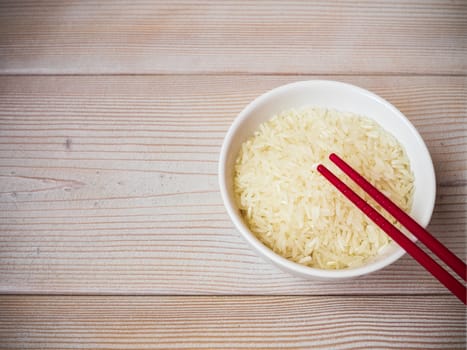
(106, 191)
(55, 37)
(69, 322)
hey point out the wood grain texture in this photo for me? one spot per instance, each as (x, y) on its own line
(382, 322)
(339, 37)
(108, 185)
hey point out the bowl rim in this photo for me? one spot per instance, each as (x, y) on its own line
(268, 253)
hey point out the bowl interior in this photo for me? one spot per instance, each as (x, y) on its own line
(344, 97)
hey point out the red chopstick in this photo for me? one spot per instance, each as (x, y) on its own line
(456, 264)
(410, 247)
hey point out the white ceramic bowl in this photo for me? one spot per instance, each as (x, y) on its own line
(344, 97)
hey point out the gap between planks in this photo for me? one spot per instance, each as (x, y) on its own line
(315, 75)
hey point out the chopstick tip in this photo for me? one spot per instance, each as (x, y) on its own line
(321, 168)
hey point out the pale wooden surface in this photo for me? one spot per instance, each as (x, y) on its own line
(108, 183)
(168, 322)
(120, 190)
(343, 37)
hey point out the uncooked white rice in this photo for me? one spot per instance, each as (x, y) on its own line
(292, 208)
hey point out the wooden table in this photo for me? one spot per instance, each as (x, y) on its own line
(112, 114)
